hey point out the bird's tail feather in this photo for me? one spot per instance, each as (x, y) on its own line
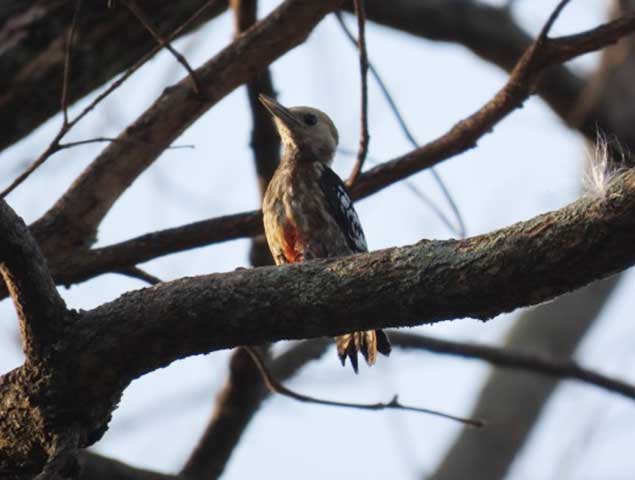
(369, 343)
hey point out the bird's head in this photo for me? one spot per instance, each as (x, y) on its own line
(304, 129)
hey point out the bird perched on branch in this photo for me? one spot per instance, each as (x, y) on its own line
(307, 211)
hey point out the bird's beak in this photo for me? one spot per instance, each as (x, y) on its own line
(278, 111)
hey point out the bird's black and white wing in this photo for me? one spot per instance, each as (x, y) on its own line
(342, 210)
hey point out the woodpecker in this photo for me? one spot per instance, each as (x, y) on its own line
(307, 211)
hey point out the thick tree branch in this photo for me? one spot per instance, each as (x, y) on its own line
(480, 277)
(78, 213)
(41, 311)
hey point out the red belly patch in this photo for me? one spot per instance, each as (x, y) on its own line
(291, 244)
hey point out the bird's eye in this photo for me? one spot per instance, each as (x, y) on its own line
(309, 119)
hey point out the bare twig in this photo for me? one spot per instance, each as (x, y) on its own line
(394, 404)
(67, 62)
(363, 68)
(89, 141)
(551, 21)
(54, 146)
(541, 364)
(147, 23)
(460, 230)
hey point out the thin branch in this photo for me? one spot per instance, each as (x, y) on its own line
(89, 141)
(147, 24)
(416, 191)
(139, 274)
(67, 62)
(363, 68)
(543, 35)
(55, 146)
(276, 387)
(461, 230)
(541, 364)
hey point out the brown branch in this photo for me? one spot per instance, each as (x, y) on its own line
(478, 277)
(41, 311)
(541, 364)
(364, 138)
(147, 24)
(95, 191)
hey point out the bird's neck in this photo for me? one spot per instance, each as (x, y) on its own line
(293, 154)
